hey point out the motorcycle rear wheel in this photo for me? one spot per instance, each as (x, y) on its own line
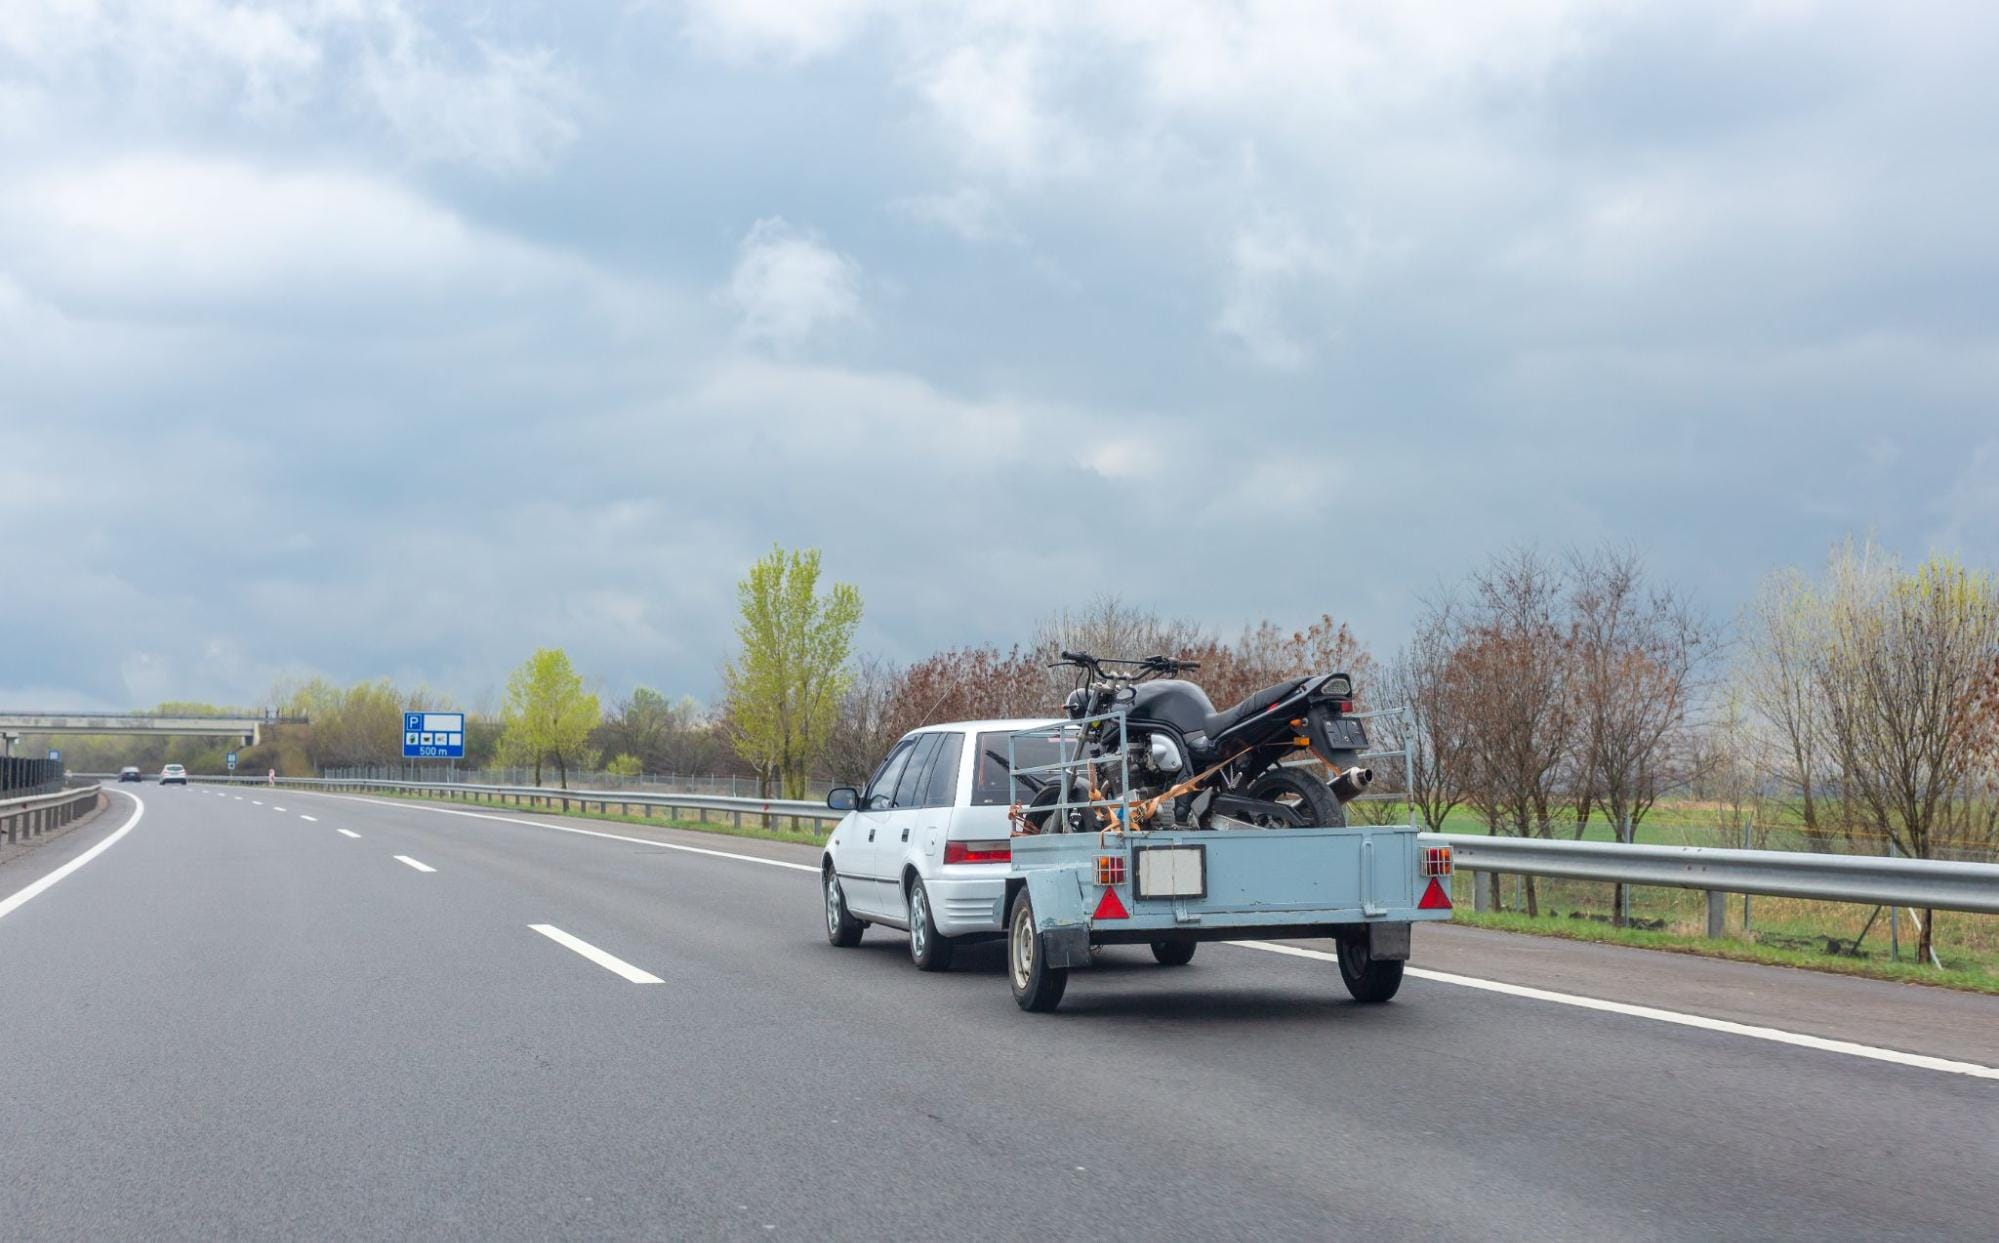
(1307, 801)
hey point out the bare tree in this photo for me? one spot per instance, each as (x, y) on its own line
(1784, 631)
(1516, 661)
(1902, 677)
(1637, 654)
(869, 721)
(1427, 681)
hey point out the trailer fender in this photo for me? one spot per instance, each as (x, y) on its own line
(1060, 916)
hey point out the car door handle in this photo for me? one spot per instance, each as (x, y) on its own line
(905, 835)
(871, 835)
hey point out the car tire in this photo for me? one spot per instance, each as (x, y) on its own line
(929, 949)
(1371, 980)
(1174, 953)
(842, 929)
(1037, 987)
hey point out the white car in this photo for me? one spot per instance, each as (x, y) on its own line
(173, 775)
(926, 847)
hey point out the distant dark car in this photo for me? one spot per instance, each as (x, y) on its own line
(173, 775)
(130, 773)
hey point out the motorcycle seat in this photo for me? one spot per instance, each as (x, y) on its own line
(1230, 717)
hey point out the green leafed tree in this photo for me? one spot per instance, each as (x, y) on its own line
(548, 715)
(783, 690)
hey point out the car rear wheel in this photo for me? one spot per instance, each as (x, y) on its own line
(1370, 979)
(842, 929)
(1036, 985)
(928, 948)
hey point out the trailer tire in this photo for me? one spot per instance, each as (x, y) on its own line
(1371, 980)
(929, 949)
(1174, 953)
(842, 929)
(1037, 987)
(1311, 801)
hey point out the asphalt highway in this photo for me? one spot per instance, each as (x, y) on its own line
(270, 1014)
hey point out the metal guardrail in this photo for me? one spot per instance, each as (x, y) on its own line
(28, 817)
(798, 811)
(1870, 880)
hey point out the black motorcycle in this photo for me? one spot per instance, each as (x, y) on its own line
(1189, 766)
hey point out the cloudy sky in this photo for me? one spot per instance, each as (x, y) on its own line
(369, 337)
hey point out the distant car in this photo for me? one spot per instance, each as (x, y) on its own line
(173, 775)
(130, 773)
(926, 847)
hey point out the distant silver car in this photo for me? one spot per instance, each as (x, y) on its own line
(173, 775)
(131, 773)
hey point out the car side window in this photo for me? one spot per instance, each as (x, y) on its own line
(881, 791)
(909, 791)
(942, 788)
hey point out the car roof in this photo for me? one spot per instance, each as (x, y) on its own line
(1018, 723)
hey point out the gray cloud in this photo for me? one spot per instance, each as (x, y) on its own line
(364, 339)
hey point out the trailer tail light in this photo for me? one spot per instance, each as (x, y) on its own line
(1437, 861)
(1110, 869)
(978, 852)
(1434, 898)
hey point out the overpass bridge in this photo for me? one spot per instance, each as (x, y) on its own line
(249, 725)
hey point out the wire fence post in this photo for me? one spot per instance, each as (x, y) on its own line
(1746, 827)
(1894, 918)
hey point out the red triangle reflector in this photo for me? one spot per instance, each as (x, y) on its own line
(1108, 907)
(1434, 898)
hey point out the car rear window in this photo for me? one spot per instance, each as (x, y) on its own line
(989, 784)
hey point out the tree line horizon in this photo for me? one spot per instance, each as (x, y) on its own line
(1860, 702)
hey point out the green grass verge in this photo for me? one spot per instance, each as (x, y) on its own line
(794, 837)
(1969, 978)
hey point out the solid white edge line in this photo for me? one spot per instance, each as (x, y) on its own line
(1772, 1034)
(20, 897)
(609, 962)
(564, 828)
(421, 867)
(347, 832)
(1518, 990)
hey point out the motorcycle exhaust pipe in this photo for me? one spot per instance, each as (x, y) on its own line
(1349, 784)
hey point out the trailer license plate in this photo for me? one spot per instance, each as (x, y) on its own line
(1172, 872)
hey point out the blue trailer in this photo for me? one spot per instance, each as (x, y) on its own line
(1363, 886)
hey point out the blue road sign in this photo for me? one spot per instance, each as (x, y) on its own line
(232, 761)
(433, 735)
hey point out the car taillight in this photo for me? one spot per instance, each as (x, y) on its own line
(1436, 861)
(978, 852)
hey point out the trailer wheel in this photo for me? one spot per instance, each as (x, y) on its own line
(1310, 801)
(1174, 953)
(1036, 985)
(842, 929)
(1369, 979)
(928, 949)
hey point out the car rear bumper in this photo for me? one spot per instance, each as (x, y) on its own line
(962, 905)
